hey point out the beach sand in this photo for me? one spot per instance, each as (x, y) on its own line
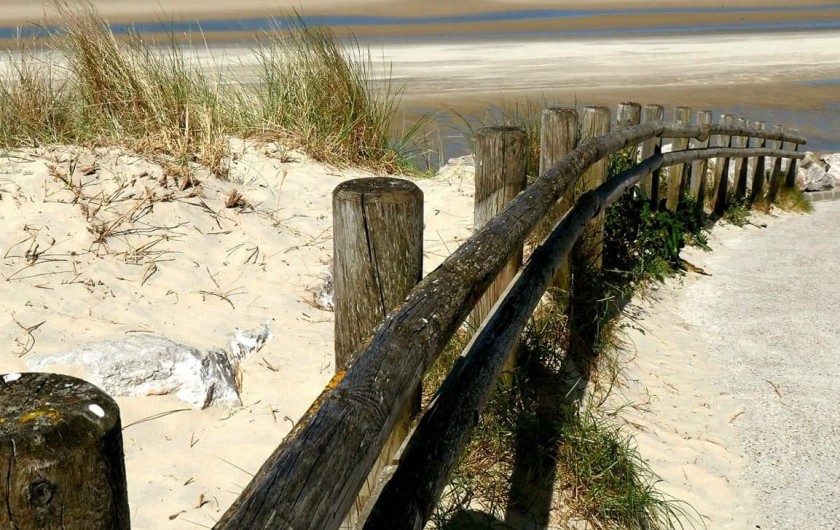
(214, 270)
(194, 271)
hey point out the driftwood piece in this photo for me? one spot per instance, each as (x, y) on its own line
(61, 455)
(312, 478)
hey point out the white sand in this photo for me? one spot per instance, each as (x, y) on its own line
(189, 465)
(735, 376)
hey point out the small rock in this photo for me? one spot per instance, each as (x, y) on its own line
(833, 163)
(814, 178)
(146, 365)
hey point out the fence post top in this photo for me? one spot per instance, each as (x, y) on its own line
(376, 187)
(560, 110)
(500, 129)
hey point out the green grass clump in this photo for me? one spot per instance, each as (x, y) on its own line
(793, 200)
(737, 211)
(313, 93)
(327, 95)
(525, 114)
(608, 479)
(35, 107)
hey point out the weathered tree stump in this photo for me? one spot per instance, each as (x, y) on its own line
(558, 137)
(650, 184)
(377, 260)
(61, 455)
(676, 181)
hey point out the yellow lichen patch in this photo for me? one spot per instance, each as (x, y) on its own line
(49, 414)
(336, 379)
(318, 402)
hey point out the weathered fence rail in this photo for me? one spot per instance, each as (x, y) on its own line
(313, 477)
(320, 476)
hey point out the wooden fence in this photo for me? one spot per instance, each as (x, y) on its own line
(326, 474)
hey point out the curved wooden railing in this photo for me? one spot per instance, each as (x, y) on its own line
(312, 479)
(319, 476)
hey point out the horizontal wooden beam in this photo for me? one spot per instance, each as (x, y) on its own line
(407, 500)
(313, 477)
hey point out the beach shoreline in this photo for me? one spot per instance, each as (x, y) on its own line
(414, 19)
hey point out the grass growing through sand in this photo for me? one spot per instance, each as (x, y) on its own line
(90, 87)
(545, 450)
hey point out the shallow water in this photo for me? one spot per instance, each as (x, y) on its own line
(820, 127)
(256, 24)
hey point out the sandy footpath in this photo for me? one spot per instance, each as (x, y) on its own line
(735, 379)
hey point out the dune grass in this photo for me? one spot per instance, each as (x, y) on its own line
(90, 86)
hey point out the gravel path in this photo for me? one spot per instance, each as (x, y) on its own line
(770, 314)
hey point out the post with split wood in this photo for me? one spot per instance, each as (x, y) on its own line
(377, 259)
(776, 175)
(741, 164)
(757, 185)
(790, 177)
(676, 174)
(721, 189)
(61, 455)
(699, 168)
(650, 183)
(558, 137)
(501, 164)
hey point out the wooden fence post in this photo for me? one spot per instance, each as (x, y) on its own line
(377, 259)
(700, 168)
(629, 113)
(757, 186)
(790, 178)
(61, 455)
(776, 175)
(650, 184)
(721, 188)
(596, 122)
(676, 174)
(558, 137)
(741, 164)
(501, 164)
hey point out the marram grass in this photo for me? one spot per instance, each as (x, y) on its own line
(94, 88)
